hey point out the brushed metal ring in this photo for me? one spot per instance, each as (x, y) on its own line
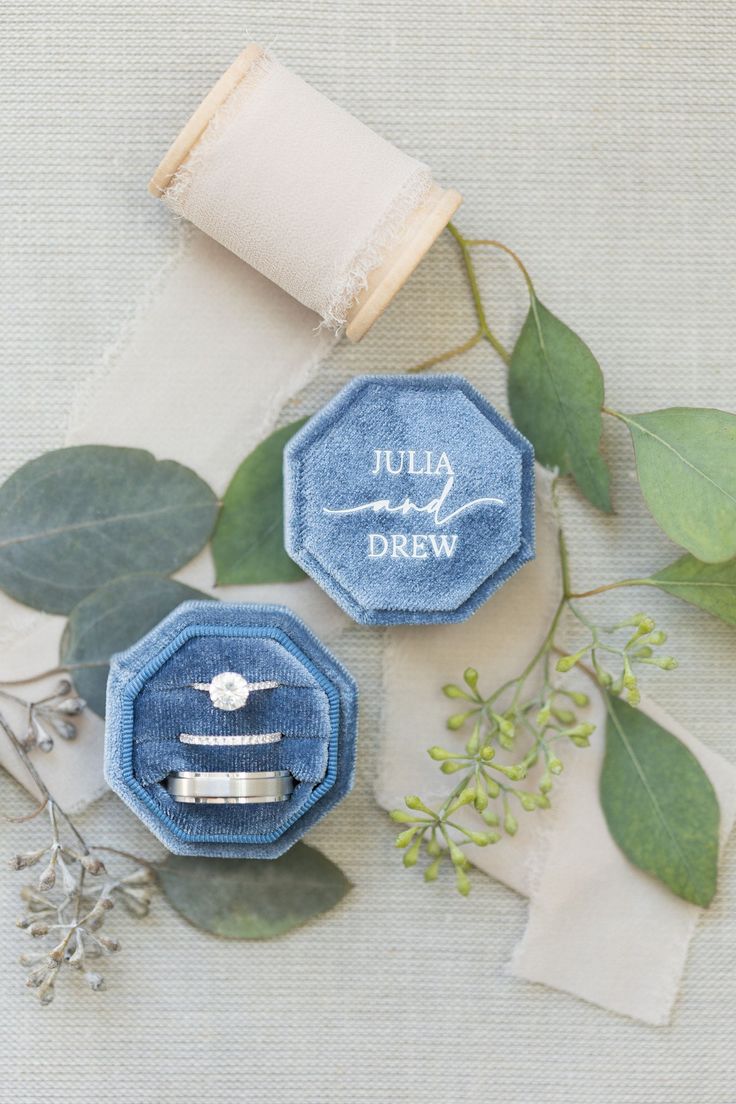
(230, 787)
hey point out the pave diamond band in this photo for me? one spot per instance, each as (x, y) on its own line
(230, 787)
(229, 690)
(230, 741)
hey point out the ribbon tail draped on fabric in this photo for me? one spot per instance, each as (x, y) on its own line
(597, 926)
(210, 361)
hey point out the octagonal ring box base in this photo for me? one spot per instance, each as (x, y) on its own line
(409, 499)
(151, 701)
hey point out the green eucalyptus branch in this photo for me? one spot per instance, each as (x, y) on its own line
(527, 720)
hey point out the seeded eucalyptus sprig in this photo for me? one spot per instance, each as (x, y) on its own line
(524, 722)
(67, 903)
(49, 717)
(639, 650)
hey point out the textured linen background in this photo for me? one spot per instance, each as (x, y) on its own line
(598, 140)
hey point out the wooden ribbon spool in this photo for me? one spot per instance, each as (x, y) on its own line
(421, 229)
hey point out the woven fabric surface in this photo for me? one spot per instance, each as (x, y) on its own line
(597, 140)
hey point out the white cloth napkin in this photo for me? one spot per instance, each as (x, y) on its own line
(597, 926)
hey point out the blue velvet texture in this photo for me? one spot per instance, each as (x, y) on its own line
(409, 499)
(150, 702)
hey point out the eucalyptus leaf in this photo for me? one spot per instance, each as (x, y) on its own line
(555, 391)
(252, 898)
(73, 519)
(111, 619)
(659, 803)
(686, 461)
(248, 544)
(710, 586)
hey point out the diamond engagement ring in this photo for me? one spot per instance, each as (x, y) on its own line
(230, 690)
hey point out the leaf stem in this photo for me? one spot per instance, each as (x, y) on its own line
(126, 855)
(561, 543)
(24, 758)
(611, 586)
(544, 647)
(485, 330)
(54, 806)
(516, 258)
(568, 593)
(457, 351)
(35, 678)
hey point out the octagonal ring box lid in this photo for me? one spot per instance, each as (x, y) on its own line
(409, 499)
(152, 700)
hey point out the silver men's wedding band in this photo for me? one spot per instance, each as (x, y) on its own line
(230, 787)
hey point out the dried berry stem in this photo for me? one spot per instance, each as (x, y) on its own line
(63, 915)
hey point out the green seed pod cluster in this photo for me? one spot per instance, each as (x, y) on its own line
(502, 754)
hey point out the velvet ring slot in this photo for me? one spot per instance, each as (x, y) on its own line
(302, 731)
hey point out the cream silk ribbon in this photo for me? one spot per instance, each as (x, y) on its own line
(206, 367)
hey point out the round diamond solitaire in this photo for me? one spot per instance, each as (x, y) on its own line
(230, 690)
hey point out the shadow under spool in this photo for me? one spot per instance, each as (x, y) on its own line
(421, 229)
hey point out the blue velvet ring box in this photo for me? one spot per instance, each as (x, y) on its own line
(151, 701)
(409, 499)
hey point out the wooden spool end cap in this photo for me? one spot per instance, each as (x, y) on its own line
(188, 137)
(422, 229)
